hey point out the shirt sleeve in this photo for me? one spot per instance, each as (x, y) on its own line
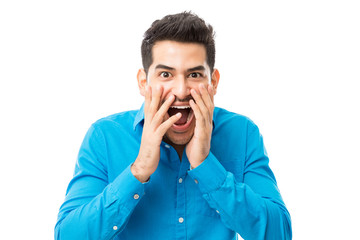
(253, 208)
(93, 207)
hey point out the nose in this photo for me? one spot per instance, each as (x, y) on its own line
(181, 88)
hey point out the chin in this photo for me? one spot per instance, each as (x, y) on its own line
(177, 139)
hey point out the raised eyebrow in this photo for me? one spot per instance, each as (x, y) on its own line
(161, 66)
(198, 68)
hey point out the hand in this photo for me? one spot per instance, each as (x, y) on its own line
(153, 132)
(199, 146)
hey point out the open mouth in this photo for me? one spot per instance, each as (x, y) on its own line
(186, 114)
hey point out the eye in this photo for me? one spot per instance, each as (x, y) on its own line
(165, 74)
(195, 75)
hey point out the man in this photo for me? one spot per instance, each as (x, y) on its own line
(178, 168)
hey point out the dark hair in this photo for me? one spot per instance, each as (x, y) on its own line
(182, 27)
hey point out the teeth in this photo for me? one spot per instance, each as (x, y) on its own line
(180, 107)
(189, 116)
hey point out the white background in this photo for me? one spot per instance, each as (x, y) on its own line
(292, 67)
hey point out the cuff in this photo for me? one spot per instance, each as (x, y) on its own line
(209, 175)
(126, 189)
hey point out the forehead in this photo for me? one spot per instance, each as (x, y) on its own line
(178, 54)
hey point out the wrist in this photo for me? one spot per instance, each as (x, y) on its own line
(139, 173)
(194, 165)
(196, 161)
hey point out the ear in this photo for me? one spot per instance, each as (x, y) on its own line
(215, 77)
(141, 77)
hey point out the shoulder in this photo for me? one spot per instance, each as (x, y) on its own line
(122, 119)
(232, 121)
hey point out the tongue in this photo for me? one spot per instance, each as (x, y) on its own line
(184, 115)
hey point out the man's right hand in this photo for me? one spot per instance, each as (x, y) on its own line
(154, 129)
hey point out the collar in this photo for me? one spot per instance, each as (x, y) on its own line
(139, 118)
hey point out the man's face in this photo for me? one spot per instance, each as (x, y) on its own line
(179, 67)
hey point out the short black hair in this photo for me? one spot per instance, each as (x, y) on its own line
(182, 27)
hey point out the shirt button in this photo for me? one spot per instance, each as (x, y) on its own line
(180, 180)
(181, 220)
(115, 228)
(136, 196)
(196, 181)
(167, 146)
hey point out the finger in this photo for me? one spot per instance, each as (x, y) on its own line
(155, 101)
(168, 123)
(197, 112)
(147, 99)
(211, 92)
(207, 96)
(211, 104)
(200, 104)
(159, 116)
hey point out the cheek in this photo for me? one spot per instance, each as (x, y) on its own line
(166, 90)
(197, 86)
(166, 94)
(154, 84)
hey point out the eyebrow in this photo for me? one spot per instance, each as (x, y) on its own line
(197, 68)
(164, 67)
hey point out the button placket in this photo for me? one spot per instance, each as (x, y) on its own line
(181, 200)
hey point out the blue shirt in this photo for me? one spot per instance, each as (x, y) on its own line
(232, 191)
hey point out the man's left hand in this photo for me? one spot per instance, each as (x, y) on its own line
(199, 146)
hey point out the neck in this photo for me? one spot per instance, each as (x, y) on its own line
(179, 148)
